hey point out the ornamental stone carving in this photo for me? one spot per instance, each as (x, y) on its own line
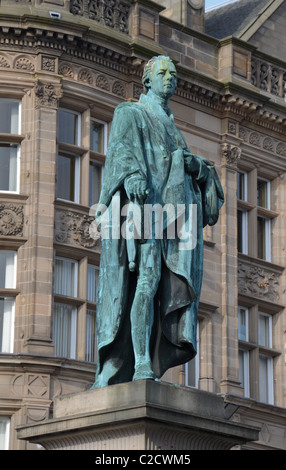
(11, 220)
(111, 13)
(258, 282)
(73, 228)
(231, 153)
(47, 94)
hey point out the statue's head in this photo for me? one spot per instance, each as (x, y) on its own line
(160, 76)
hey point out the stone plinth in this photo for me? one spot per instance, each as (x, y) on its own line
(139, 415)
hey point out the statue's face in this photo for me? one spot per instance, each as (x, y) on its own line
(163, 78)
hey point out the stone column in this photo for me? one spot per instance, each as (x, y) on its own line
(39, 160)
(229, 378)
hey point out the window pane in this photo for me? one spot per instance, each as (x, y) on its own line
(263, 238)
(65, 280)
(6, 324)
(242, 241)
(92, 276)
(91, 344)
(243, 358)
(262, 193)
(64, 330)
(265, 379)
(264, 330)
(68, 127)
(97, 136)
(67, 178)
(8, 269)
(191, 373)
(9, 117)
(8, 167)
(241, 186)
(242, 324)
(4, 433)
(94, 182)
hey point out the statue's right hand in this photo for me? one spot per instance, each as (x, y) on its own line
(136, 188)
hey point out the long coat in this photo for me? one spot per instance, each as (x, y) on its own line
(144, 141)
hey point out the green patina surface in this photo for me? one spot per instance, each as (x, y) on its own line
(149, 290)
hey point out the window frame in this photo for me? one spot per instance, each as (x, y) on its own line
(7, 432)
(246, 377)
(13, 139)
(68, 300)
(269, 385)
(10, 327)
(195, 362)
(77, 176)
(77, 129)
(244, 231)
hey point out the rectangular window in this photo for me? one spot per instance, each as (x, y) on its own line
(242, 239)
(65, 314)
(241, 186)
(95, 174)
(68, 177)
(9, 116)
(263, 193)
(243, 324)
(9, 163)
(263, 238)
(243, 360)
(4, 433)
(8, 269)
(265, 330)
(91, 343)
(92, 276)
(265, 379)
(65, 280)
(98, 136)
(6, 324)
(192, 368)
(64, 330)
(69, 127)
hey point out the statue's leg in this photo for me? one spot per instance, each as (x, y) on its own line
(142, 311)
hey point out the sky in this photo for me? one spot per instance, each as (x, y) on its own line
(214, 3)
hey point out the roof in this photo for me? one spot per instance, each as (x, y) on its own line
(231, 19)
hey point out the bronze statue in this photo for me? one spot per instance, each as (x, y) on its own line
(147, 306)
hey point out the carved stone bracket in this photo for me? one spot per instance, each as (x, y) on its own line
(231, 154)
(258, 281)
(73, 228)
(47, 94)
(11, 220)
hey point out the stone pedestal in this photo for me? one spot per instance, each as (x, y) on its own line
(140, 415)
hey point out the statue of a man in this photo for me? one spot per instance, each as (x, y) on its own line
(147, 309)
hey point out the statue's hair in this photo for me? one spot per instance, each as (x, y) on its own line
(148, 70)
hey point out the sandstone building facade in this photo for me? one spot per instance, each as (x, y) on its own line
(64, 67)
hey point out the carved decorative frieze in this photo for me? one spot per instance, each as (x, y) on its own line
(73, 228)
(11, 220)
(47, 94)
(66, 71)
(258, 281)
(259, 140)
(25, 64)
(111, 13)
(48, 64)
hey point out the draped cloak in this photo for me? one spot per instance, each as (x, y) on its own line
(145, 142)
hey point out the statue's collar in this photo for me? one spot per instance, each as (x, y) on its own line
(153, 102)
